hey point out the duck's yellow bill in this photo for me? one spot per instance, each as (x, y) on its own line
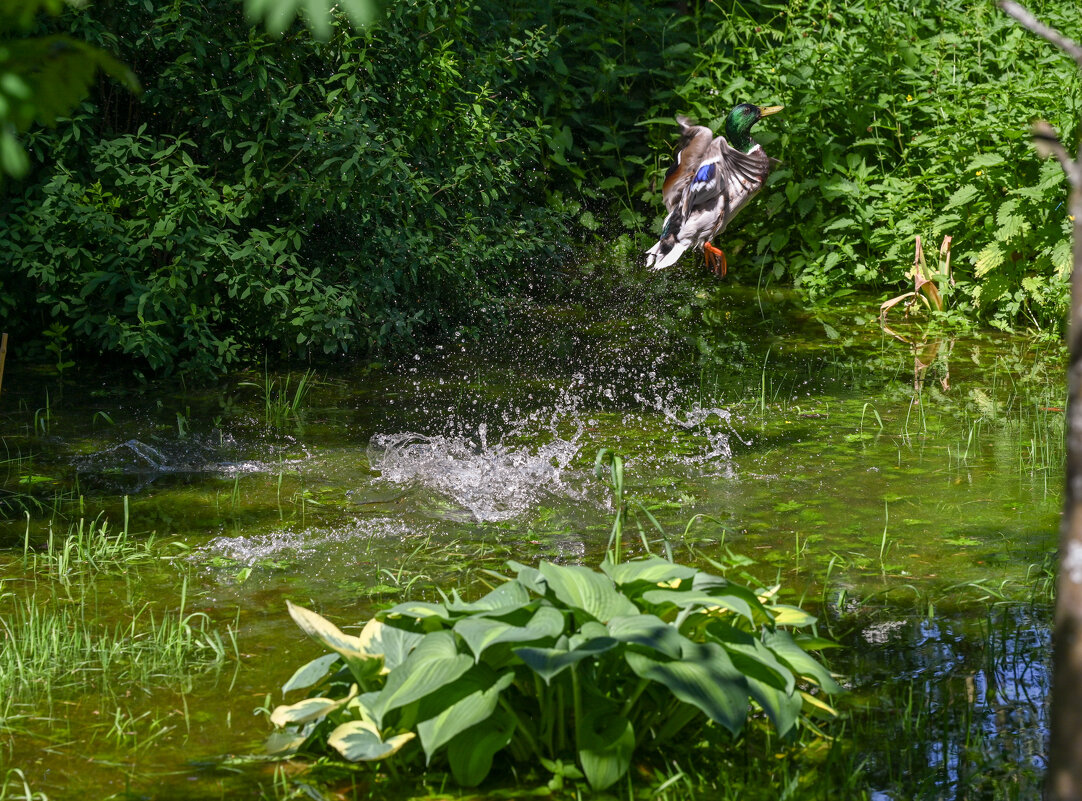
(764, 112)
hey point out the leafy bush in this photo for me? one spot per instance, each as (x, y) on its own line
(296, 196)
(901, 119)
(417, 174)
(556, 662)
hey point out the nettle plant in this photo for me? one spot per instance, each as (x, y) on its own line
(561, 665)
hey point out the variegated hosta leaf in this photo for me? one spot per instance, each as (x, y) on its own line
(360, 741)
(309, 674)
(786, 615)
(322, 630)
(390, 642)
(309, 709)
(378, 649)
(284, 742)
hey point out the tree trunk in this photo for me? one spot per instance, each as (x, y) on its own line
(1064, 781)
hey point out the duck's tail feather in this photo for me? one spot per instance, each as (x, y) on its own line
(669, 258)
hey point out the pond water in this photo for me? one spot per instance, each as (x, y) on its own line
(904, 486)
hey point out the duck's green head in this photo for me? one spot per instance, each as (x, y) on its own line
(738, 124)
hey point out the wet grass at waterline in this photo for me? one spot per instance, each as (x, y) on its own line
(90, 546)
(56, 643)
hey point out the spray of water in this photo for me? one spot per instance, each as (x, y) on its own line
(498, 460)
(493, 481)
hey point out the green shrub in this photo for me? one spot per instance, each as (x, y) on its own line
(418, 174)
(295, 196)
(557, 662)
(901, 119)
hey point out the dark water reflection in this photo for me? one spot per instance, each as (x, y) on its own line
(953, 708)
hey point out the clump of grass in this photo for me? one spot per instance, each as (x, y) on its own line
(283, 402)
(14, 786)
(49, 644)
(90, 546)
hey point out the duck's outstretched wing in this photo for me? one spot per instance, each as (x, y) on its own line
(695, 140)
(724, 180)
(739, 176)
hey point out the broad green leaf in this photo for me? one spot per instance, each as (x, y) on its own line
(783, 708)
(809, 642)
(799, 661)
(653, 570)
(360, 741)
(752, 658)
(470, 753)
(471, 710)
(307, 675)
(708, 601)
(586, 590)
(480, 632)
(506, 598)
(704, 677)
(13, 159)
(606, 742)
(962, 196)
(529, 577)
(590, 630)
(277, 15)
(991, 256)
(786, 615)
(984, 161)
(392, 643)
(322, 630)
(649, 631)
(418, 610)
(1010, 226)
(818, 704)
(716, 584)
(284, 742)
(433, 664)
(550, 662)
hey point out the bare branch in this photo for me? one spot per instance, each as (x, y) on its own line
(1047, 143)
(1027, 20)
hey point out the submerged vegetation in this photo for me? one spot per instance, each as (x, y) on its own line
(915, 522)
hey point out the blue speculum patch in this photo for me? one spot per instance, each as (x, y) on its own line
(705, 173)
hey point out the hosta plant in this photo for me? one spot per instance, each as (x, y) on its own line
(556, 665)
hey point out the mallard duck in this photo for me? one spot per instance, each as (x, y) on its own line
(712, 179)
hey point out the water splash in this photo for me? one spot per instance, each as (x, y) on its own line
(195, 455)
(330, 552)
(492, 481)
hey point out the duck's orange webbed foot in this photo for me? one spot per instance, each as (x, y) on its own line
(715, 259)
